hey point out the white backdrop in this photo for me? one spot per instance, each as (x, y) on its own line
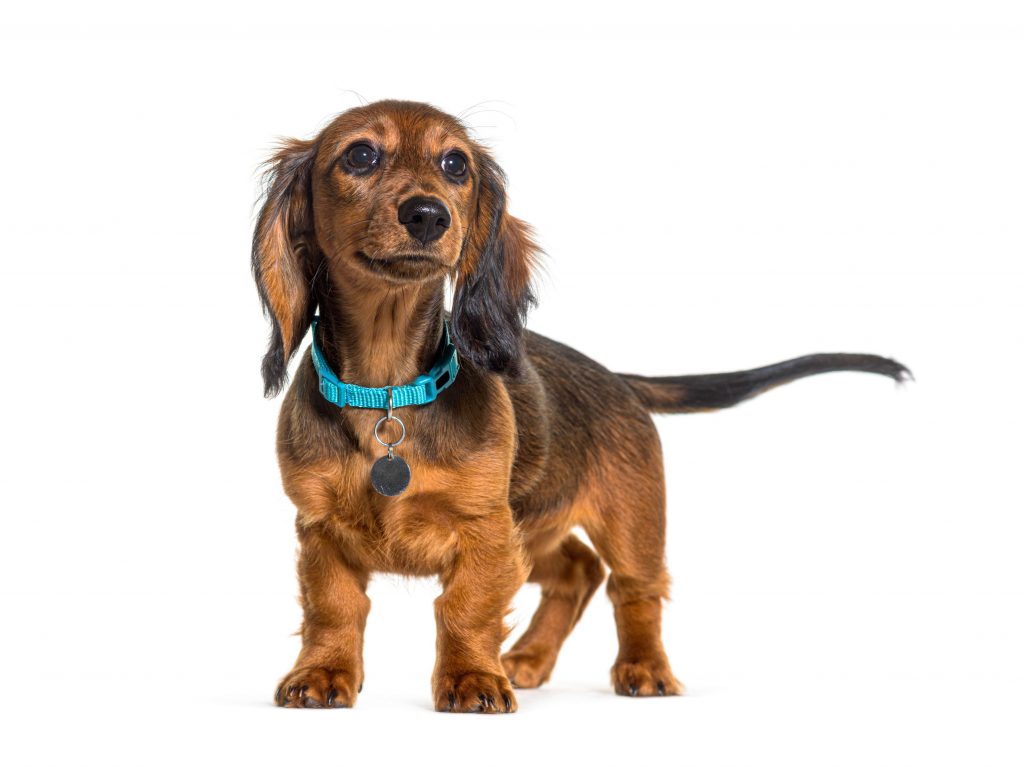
(785, 178)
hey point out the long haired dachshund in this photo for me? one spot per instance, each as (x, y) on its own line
(523, 440)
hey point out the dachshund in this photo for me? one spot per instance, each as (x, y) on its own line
(525, 439)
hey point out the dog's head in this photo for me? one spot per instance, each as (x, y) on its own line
(388, 195)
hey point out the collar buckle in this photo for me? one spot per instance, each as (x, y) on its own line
(429, 386)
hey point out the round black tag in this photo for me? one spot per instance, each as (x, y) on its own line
(390, 475)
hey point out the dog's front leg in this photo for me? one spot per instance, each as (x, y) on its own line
(479, 583)
(329, 669)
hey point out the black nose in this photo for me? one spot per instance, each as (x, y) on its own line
(426, 218)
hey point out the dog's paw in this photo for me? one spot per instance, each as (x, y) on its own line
(528, 669)
(315, 687)
(645, 678)
(474, 691)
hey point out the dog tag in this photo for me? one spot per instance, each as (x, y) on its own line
(390, 475)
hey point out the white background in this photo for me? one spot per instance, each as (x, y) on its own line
(715, 189)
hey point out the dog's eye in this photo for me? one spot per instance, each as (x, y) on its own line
(454, 165)
(360, 158)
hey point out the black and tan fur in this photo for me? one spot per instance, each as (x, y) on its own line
(532, 440)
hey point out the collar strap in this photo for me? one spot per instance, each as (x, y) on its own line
(422, 390)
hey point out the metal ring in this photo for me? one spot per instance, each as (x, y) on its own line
(376, 428)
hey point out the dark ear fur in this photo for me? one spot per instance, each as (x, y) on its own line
(282, 256)
(492, 293)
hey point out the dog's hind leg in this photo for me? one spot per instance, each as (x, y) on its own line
(568, 576)
(628, 530)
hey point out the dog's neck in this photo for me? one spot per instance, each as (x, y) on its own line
(382, 336)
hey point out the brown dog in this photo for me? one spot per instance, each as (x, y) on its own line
(367, 221)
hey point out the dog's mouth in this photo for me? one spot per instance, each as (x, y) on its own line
(402, 266)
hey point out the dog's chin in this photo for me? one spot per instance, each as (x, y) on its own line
(403, 267)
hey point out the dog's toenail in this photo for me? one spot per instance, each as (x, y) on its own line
(507, 701)
(451, 701)
(633, 690)
(332, 695)
(661, 688)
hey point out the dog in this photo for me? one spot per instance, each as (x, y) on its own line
(478, 471)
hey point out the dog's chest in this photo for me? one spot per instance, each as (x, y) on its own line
(414, 536)
(414, 533)
(417, 531)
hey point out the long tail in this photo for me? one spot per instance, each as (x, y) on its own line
(695, 393)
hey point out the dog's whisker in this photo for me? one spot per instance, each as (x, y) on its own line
(357, 94)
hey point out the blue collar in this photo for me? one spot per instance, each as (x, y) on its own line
(422, 390)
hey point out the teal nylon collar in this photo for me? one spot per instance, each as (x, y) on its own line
(422, 390)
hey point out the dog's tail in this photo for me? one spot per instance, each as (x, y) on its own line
(696, 393)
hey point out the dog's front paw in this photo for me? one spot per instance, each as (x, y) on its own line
(477, 691)
(316, 687)
(645, 677)
(526, 668)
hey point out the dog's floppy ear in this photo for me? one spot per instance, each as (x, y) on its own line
(282, 256)
(492, 291)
